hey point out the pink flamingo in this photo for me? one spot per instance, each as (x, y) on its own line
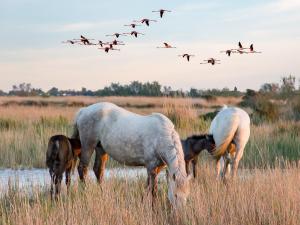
(134, 33)
(252, 49)
(229, 51)
(133, 25)
(146, 21)
(162, 11)
(187, 56)
(107, 49)
(166, 45)
(211, 61)
(116, 34)
(72, 42)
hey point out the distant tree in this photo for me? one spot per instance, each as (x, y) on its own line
(166, 90)
(235, 89)
(2, 93)
(269, 87)
(23, 89)
(194, 92)
(53, 92)
(288, 84)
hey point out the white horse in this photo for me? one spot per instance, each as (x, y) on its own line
(231, 131)
(134, 140)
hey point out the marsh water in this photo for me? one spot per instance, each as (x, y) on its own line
(28, 178)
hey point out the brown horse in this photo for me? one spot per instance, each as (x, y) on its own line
(61, 156)
(192, 146)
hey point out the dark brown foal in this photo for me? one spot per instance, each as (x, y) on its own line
(61, 156)
(192, 146)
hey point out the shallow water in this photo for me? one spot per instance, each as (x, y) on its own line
(29, 178)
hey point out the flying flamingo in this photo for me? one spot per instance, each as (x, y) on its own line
(166, 45)
(107, 49)
(111, 45)
(134, 33)
(146, 21)
(101, 43)
(162, 11)
(72, 42)
(212, 61)
(252, 49)
(240, 49)
(133, 25)
(85, 40)
(241, 46)
(115, 42)
(187, 56)
(229, 51)
(116, 34)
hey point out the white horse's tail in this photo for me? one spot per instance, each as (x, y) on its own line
(224, 134)
(75, 133)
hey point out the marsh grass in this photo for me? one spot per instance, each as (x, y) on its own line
(270, 196)
(269, 193)
(24, 132)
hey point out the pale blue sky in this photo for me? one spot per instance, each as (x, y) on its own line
(32, 31)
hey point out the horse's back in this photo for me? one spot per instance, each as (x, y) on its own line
(231, 123)
(229, 116)
(126, 136)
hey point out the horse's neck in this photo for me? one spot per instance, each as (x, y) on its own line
(175, 163)
(184, 146)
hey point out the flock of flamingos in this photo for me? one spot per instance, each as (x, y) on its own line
(110, 45)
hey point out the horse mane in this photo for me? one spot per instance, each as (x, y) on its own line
(199, 137)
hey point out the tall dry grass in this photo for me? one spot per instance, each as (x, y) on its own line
(25, 130)
(260, 197)
(269, 195)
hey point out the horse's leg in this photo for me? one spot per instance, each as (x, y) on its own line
(236, 160)
(167, 176)
(226, 166)
(187, 167)
(100, 161)
(57, 182)
(152, 180)
(194, 163)
(218, 167)
(85, 156)
(68, 179)
(52, 184)
(241, 138)
(153, 183)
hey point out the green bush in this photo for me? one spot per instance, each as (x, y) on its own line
(295, 104)
(264, 109)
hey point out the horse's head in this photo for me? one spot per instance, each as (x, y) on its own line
(61, 153)
(178, 189)
(201, 142)
(209, 142)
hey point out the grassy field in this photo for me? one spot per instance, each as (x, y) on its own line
(267, 192)
(262, 197)
(25, 129)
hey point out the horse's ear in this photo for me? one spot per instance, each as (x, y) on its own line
(174, 177)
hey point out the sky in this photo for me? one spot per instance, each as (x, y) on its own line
(32, 31)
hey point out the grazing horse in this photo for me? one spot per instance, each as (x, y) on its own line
(61, 156)
(192, 146)
(231, 131)
(134, 140)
